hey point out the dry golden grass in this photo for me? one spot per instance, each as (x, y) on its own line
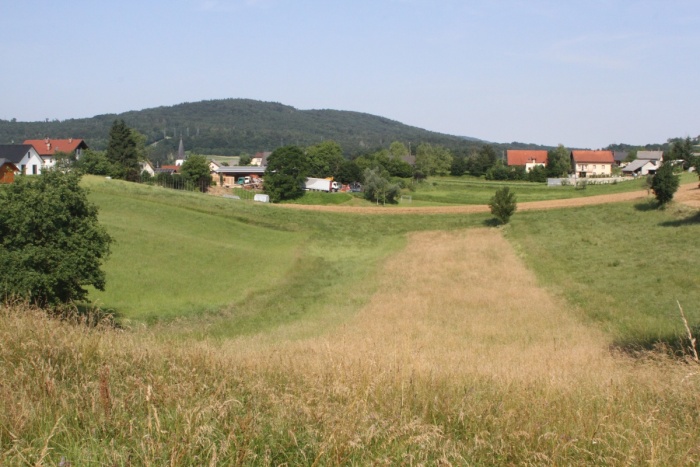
(460, 358)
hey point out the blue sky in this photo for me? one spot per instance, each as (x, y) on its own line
(580, 73)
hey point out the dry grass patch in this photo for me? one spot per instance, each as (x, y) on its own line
(462, 304)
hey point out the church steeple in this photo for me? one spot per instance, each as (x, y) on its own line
(181, 150)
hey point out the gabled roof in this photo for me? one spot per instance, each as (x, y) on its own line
(525, 156)
(410, 159)
(651, 155)
(637, 165)
(48, 147)
(620, 156)
(4, 161)
(593, 157)
(14, 152)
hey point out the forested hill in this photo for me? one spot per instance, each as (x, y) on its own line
(235, 126)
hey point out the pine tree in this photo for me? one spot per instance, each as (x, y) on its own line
(122, 151)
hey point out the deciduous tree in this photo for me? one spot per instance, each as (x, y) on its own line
(286, 173)
(558, 162)
(377, 187)
(195, 170)
(51, 245)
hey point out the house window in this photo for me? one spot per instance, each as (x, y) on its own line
(23, 169)
(34, 169)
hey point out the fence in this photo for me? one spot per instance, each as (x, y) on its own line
(572, 181)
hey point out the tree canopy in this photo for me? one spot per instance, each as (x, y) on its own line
(286, 173)
(51, 244)
(195, 170)
(558, 162)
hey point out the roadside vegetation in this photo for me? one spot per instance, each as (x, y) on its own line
(260, 335)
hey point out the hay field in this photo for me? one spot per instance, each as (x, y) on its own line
(459, 358)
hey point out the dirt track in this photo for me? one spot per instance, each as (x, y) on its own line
(688, 193)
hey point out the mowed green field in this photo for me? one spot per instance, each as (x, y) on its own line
(179, 255)
(246, 267)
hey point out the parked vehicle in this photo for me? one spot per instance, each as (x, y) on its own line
(321, 184)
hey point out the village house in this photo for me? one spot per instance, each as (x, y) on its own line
(48, 148)
(23, 156)
(620, 157)
(260, 159)
(526, 158)
(592, 163)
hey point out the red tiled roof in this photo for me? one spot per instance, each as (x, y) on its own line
(49, 147)
(523, 156)
(600, 157)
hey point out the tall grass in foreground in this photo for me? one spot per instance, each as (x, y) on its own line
(458, 359)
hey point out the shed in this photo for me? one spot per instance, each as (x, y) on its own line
(7, 171)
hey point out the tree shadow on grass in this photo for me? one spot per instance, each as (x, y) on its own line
(691, 220)
(492, 222)
(646, 206)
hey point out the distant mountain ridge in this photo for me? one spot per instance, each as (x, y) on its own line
(235, 126)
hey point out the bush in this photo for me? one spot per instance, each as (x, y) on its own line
(503, 204)
(664, 184)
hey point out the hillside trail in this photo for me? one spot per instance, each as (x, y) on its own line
(456, 305)
(688, 193)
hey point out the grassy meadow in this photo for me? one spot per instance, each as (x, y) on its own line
(260, 335)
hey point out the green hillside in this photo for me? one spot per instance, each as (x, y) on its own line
(235, 126)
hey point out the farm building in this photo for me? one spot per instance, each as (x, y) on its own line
(526, 158)
(229, 176)
(647, 162)
(640, 167)
(592, 163)
(7, 171)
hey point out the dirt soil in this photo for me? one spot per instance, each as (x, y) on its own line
(688, 194)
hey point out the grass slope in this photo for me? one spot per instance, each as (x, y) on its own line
(625, 265)
(250, 267)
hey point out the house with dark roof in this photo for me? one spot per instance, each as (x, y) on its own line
(526, 158)
(23, 156)
(7, 171)
(592, 163)
(619, 157)
(47, 148)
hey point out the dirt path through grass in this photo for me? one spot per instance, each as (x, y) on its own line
(688, 190)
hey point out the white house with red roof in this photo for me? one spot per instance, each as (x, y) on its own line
(592, 163)
(47, 148)
(23, 156)
(526, 157)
